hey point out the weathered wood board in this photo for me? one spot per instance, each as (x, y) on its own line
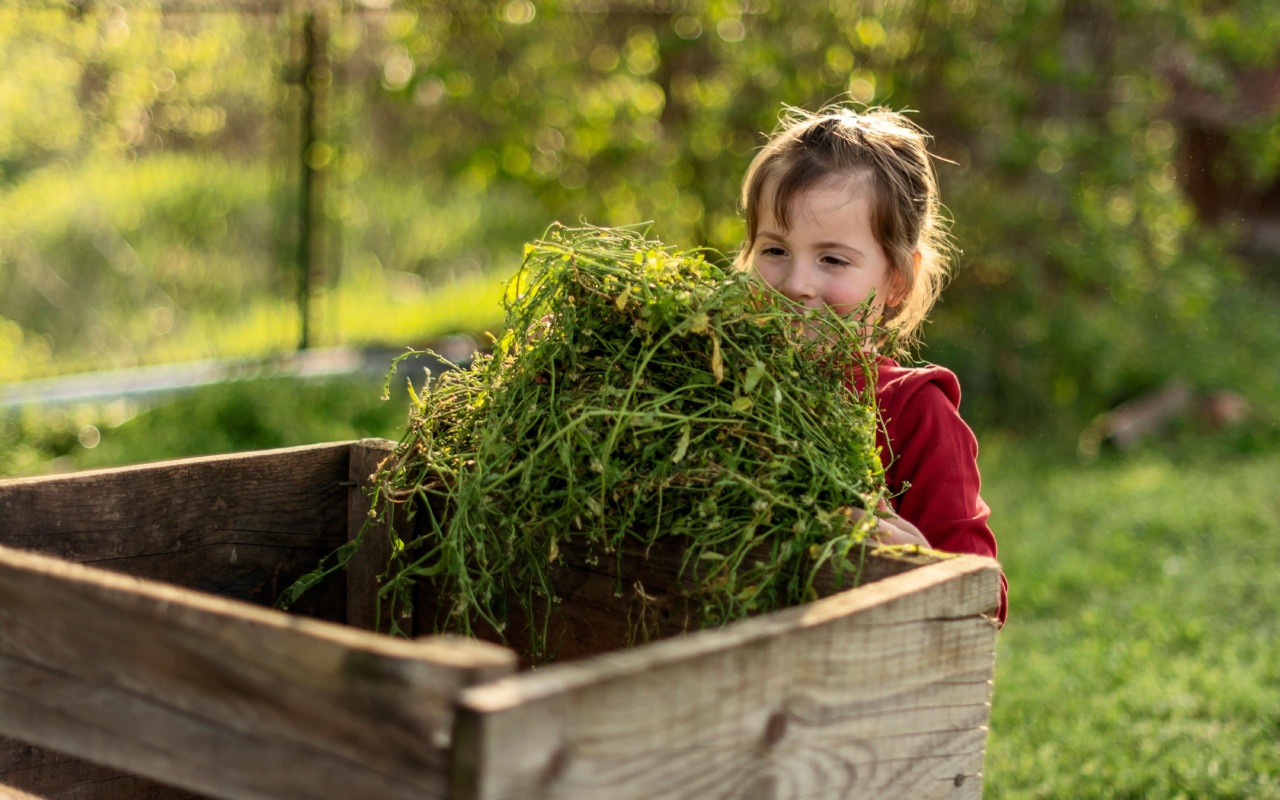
(243, 526)
(883, 691)
(370, 561)
(653, 600)
(28, 771)
(9, 793)
(180, 685)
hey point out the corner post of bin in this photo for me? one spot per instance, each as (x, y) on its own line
(371, 559)
(465, 754)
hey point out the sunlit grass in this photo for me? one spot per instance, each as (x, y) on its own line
(176, 257)
(374, 308)
(1140, 655)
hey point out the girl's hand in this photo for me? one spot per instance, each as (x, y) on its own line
(891, 528)
(541, 327)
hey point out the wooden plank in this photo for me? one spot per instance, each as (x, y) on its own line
(370, 561)
(13, 793)
(222, 697)
(599, 613)
(49, 775)
(242, 526)
(880, 691)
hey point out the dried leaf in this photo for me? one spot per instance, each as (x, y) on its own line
(717, 359)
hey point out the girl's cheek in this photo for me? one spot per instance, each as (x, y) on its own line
(761, 272)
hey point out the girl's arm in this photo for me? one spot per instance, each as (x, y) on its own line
(933, 470)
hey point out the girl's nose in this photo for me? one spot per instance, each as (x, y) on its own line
(798, 284)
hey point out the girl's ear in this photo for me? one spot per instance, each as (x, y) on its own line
(900, 287)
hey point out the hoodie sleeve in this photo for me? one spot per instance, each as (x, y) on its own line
(931, 459)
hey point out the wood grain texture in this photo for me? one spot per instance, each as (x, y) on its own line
(242, 526)
(608, 602)
(13, 793)
(30, 771)
(370, 561)
(222, 697)
(880, 691)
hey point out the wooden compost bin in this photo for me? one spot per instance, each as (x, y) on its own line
(140, 658)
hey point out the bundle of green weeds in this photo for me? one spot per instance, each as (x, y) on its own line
(638, 393)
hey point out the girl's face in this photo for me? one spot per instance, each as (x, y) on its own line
(828, 257)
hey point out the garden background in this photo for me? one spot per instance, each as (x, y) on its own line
(184, 181)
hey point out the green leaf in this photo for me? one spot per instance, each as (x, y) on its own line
(683, 445)
(754, 373)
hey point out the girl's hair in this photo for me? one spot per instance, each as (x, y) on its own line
(888, 155)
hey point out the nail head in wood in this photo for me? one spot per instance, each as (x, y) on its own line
(556, 764)
(775, 728)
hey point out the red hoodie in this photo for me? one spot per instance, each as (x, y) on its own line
(931, 460)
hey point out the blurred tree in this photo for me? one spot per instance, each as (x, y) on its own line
(136, 170)
(1084, 276)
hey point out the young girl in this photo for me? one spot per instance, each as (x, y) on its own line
(842, 206)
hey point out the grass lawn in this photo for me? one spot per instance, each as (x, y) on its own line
(1141, 658)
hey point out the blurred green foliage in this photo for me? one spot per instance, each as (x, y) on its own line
(223, 418)
(148, 167)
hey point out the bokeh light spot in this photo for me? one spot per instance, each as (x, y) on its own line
(862, 88)
(603, 58)
(89, 437)
(519, 12)
(688, 27)
(1050, 161)
(731, 30)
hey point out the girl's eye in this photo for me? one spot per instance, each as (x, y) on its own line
(835, 261)
(773, 251)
